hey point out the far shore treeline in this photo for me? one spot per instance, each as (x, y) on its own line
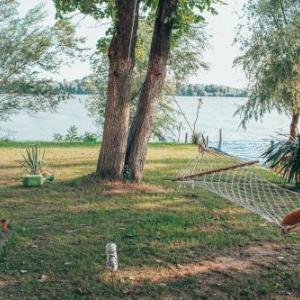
(84, 86)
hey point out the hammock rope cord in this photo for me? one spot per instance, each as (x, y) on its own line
(240, 182)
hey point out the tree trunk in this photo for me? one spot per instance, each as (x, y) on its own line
(121, 63)
(293, 126)
(142, 124)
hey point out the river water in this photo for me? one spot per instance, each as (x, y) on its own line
(215, 113)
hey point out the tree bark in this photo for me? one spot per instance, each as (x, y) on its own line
(121, 62)
(142, 124)
(293, 126)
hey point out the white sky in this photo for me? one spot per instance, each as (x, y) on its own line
(220, 56)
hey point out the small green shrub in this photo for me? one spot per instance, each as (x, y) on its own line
(126, 173)
(72, 134)
(89, 137)
(57, 137)
(196, 138)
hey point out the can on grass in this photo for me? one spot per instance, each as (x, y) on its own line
(111, 257)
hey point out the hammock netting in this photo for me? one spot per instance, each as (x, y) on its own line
(240, 182)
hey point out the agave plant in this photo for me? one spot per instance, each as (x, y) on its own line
(284, 157)
(33, 160)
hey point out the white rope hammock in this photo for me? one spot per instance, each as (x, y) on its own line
(240, 182)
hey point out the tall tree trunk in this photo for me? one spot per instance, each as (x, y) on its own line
(293, 126)
(142, 124)
(121, 63)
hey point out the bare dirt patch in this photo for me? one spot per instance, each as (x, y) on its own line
(121, 187)
(245, 261)
(164, 274)
(80, 208)
(229, 211)
(267, 249)
(5, 282)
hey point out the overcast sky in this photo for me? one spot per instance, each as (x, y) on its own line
(220, 56)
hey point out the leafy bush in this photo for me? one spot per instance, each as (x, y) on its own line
(72, 134)
(89, 137)
(33, 160)
(284, 157)
(126, 173)
(196, 138)
(57, 137)
(5, 139)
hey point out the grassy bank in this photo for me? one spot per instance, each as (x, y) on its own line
(65, 144)
(15, 144)
(172, 243)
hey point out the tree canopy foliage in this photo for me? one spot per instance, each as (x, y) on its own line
(29, 50)
(270, 44)
(189, 13)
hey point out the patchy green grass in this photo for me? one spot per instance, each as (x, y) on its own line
(172, 243)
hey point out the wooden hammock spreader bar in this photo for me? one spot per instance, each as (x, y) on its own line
(249, 163)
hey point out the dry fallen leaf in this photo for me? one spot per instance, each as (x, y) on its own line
(43, 278)
(127, 291)
(179, 266)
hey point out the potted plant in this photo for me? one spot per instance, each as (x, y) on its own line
(33, 162)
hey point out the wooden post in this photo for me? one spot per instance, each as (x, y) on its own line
(220, 139)
(186, 137)
(179, 132)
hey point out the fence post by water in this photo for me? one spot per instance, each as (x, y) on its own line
(186, 137)
(220, 139)
(179, 132)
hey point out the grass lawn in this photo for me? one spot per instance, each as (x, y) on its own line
(172, 243)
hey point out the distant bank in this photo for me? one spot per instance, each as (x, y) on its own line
(85, 86)
(210, 90)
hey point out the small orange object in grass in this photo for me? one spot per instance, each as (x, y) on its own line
(4, 224)
(292, 219)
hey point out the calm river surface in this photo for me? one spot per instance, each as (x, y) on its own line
(215, 113)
